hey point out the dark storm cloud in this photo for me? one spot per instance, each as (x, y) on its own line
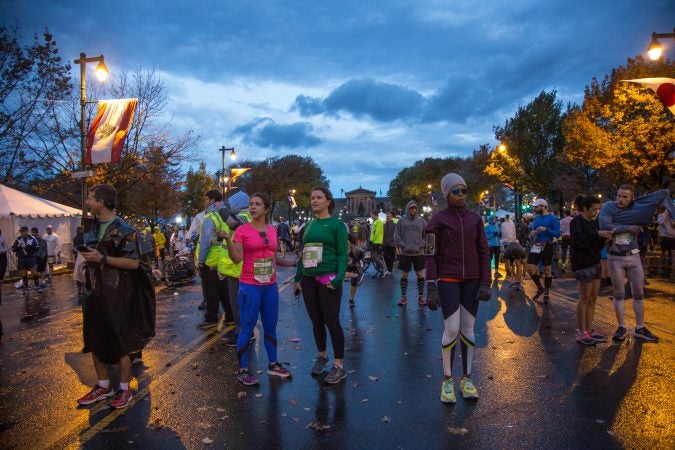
(265, 132)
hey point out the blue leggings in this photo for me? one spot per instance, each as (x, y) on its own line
(253, 301)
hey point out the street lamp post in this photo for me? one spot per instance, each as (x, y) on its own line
(655, 50)
(101, 74)
(233, 156)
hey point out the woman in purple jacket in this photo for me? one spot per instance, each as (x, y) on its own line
(458, 276)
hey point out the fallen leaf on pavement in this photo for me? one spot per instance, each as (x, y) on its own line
(295, 339)
(364, 400)
(292, 402)
(372, 378)
(386, 419)
(457, 430)
(241, 394)
(317, 426)
(220, 409)
(207, 441)
(258, 395)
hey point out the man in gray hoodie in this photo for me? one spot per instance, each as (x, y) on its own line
(409, 238)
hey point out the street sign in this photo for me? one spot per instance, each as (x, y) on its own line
(82, 174)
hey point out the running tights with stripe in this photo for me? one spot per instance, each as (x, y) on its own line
(459, 306)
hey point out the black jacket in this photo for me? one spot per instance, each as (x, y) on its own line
(119, 315)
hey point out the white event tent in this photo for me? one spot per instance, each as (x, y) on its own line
(18, 209)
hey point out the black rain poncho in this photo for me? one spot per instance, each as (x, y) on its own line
(119, 314)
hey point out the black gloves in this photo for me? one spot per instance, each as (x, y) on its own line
(484, 292)
(432, 295)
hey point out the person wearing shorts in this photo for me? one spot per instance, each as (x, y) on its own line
(586, 242)
(355, 271)
(515, 256)
(544, 230)
(409, 238)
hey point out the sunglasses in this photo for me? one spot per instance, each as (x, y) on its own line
(263, 235)
(457, 191)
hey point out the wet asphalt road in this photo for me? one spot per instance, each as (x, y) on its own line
(538, 388)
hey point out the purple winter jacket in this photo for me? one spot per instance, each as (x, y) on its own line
(462, 250)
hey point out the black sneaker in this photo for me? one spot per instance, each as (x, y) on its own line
(498, 275)
(319, 365)
(547, 299)
(202, 307)
(351, 303)
(335, 375)
(620, 334)
(646, 335)
(540, 291)
(230, 340)
(205, 325)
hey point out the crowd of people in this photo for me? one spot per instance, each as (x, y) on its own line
(454, 255)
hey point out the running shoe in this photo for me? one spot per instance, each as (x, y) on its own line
(540, 291)
(121, 399)
(620, 334)
(278, 370)
(96, 395)
(246, 378)
(467, 388)
(597, 337)
(448, 391)
(646, 335)
(230, 340)
(583, 337)
(335, 375)
(202, 306)
(403, 301)
(205, 325)
(547, 299)
(319, 365)
(498, 275)
(421, 301)
(351, 303)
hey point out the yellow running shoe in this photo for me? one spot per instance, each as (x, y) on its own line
(448, 391)
(467, 388)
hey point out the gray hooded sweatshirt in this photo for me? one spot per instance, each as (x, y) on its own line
(409, 234)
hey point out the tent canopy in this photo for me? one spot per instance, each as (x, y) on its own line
(502, 213)
(17, 203)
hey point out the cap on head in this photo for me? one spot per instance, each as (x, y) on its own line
(49, 226)
(540, 202)
(23, 228)
(449, 181)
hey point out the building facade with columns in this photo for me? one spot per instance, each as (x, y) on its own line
(360, 202)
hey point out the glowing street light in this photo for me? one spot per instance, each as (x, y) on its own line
(655, 50)
(224, 180)
(101, 73)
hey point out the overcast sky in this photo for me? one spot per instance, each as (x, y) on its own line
(365, 88)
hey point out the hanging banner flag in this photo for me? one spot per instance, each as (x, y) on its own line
(664, 88)
(109, 129)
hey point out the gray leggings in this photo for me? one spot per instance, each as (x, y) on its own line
(630, 267)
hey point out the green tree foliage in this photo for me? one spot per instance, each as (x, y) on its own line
(33, 82)
(623, 130)
(196, 185)
(534, 140)
(412, 183)
(276, 176)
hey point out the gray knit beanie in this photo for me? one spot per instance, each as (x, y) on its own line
(449, 181)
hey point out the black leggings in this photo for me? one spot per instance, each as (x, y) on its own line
(495, 253)
(323, 308)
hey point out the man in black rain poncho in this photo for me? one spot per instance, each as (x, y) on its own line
(119, 315)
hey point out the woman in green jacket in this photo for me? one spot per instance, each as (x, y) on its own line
(320, 275)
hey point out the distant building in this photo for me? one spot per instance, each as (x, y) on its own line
(360, 202)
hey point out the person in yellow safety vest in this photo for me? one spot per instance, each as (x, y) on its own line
(234, 216)
(376, 238)
(160, 242)
(211, 235)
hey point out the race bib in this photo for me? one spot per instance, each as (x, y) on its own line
(537, 248)
(263, 270)
(623, 238)
(312, 254)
